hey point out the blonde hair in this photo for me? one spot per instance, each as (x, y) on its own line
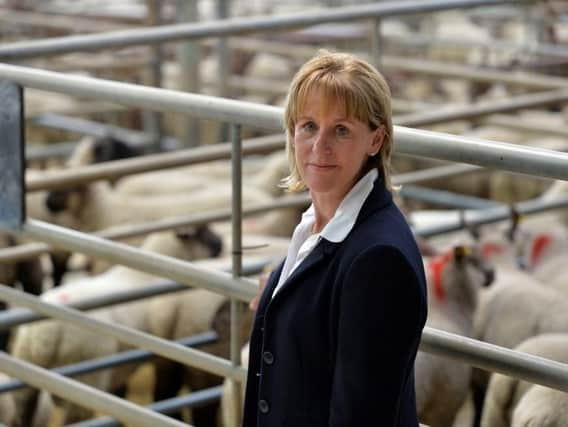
(365, 95)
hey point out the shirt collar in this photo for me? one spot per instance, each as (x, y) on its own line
(337, 229)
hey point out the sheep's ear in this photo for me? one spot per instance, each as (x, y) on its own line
(460, 252)
(186, 233)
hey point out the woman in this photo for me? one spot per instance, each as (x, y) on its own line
(338, 324)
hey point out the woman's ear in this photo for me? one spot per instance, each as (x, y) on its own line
(377, 143)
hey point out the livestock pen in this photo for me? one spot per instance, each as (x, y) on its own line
(412, 142)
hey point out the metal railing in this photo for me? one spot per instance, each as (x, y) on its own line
(232, 26)
(531, 161)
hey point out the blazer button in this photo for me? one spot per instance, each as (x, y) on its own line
(263, 406)
(268, 358)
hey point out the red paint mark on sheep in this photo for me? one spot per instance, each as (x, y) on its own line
(435, 268)
(540, 243)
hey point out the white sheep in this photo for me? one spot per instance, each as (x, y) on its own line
(541, 407)
(7, 404)
(515, 308)
(97, 206)
(509, 398)
(454, 279)
(52, 343)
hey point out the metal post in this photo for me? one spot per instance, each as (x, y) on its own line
(376, 42)
(153, 119)
(224, 66)
(188, 60)
(236, 306)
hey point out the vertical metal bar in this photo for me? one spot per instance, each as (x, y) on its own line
(152, 120)
(224, 66)
(376, 42)
(236, 306)
(188, 59)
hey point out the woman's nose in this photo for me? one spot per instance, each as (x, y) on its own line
(322, 141)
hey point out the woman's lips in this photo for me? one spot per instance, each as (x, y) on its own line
(321, 166)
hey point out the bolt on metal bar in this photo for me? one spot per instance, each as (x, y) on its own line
(167, 406)
(482, 109)
(118, 168)
(531, 161)
(493, 358)
(84, 395)
(226, 27)
(112, 361)
(19, 316)
(165, 348)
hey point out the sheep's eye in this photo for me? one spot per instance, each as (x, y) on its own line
(341, 130)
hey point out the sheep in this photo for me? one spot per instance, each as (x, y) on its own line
(514, 309)
(52, 343)
(526, 404)
(263, 174)
(228, 409)
(454, 280)
(7, 405)
(541, 407)
(97, 206)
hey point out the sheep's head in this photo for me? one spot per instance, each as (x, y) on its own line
(458, 274)
(204, 236)
(189, 243)
(66, 200)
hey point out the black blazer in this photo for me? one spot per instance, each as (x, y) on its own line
(336, 345)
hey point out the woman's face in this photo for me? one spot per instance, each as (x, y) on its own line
(330, 148)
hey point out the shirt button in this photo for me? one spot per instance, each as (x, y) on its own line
(263, 406)
(268, 358)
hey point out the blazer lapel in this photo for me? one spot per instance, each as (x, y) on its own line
(322, 251)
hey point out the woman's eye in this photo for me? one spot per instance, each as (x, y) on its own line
(341, 131)
(308, 127)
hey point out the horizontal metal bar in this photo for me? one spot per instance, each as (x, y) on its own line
(527, 160)
(146, 97)
(84, 395)
(167, 406)
(227, 27)
(446, 198)
(492, 215)
(434, 68)
(19, 316)
(483, 109)
(29, 250)
(438, 172)
(149, 262)
(420, 66)
(112, 361)
(153, 162)
(526, 126)
(493, 358)
(165, 348)
(496, 155)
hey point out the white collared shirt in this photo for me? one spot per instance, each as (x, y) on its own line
(336, 230)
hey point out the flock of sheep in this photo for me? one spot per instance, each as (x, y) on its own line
(503, 284)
